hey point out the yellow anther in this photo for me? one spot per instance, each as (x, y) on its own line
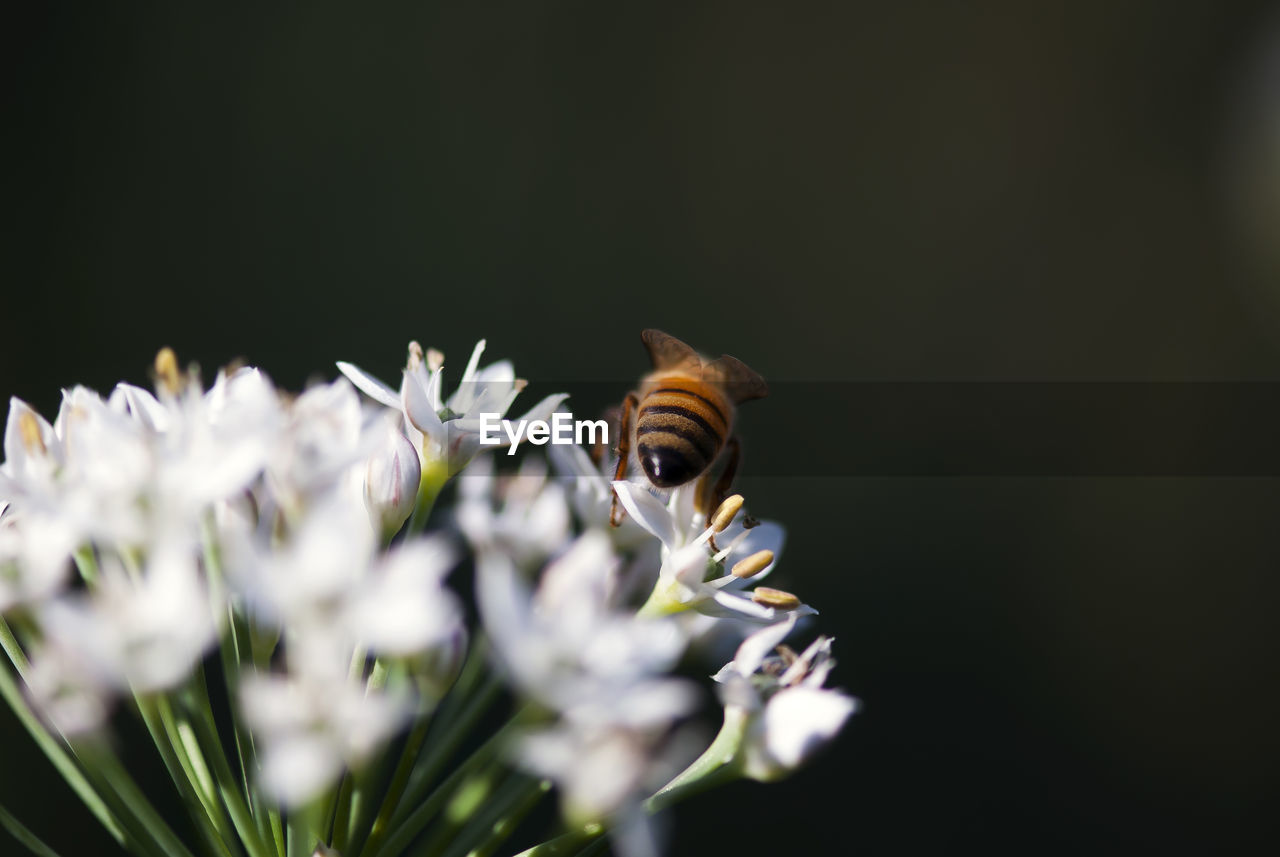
(725, 514)
(167, 372)
(753, 564)
(435, 359)
(29, 431)
(415, 355)
(774, 598)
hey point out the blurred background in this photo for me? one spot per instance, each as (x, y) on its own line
(1050, 660)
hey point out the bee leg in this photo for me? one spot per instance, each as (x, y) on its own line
(711, 495)
(613, 418)
(629, 405)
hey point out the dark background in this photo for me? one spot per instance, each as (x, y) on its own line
(1050, 662)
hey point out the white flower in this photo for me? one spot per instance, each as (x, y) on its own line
(204, 447)
(691, 575)
(45, 516)
(403, 607)
(143, 630)
(446, 432)
(787, 712)
(532, 522)
(326, 437)
(109, 470)
(603, 772)
(305, 580)
(35, 557)
(391, 479)
(563, 645)
(330, 590)
(334, 595)
(591, 493)
(66, 690)
(313, 723)
(32, 453)
(603, 673)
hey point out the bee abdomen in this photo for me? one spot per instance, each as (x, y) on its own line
(676, 441)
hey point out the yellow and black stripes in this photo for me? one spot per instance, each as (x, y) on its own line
(681, 426)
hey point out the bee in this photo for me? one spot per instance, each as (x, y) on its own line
(680, 420)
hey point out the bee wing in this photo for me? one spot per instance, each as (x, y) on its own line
(667, 352)
(737, 379)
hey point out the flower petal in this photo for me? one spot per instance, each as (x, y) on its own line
(799, 720)
(416, 401)
(369, 385)
(756, 648)
(647, 511)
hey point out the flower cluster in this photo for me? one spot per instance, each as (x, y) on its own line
(292, 550)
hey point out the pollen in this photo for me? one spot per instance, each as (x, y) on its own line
(435, 359)
(29, 430)
(727, 511)
(774, 598)
(415, 354)
(167, 372)
(753, 564)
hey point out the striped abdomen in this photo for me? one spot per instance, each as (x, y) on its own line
(681, 426)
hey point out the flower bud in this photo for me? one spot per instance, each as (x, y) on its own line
(391, 481)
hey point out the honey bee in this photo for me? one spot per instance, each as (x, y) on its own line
(681, 419)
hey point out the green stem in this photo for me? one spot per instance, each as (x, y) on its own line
(24, 836)
(568, 844)
(399, 782)
(87, 564)
(459, 706)
(237, 649)
(304, 826)
(434, 476)
(342, 815)
(662, 601)
(452, 737)
(718, 764)
(363, 782)
(13, 650)
(147, 829)
(413, 823)
(502, 829)
(474, 793)
(593, 848)
(200, 717)
(54, 748)
(194, 789)
(481, 823)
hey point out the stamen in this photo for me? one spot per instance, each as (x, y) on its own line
(729, 548)
(726, 512)
(29, 431)
(753, 564)
(774, 598)
(415, 355)
(167, 373)
(520, 384)
(435, 359)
